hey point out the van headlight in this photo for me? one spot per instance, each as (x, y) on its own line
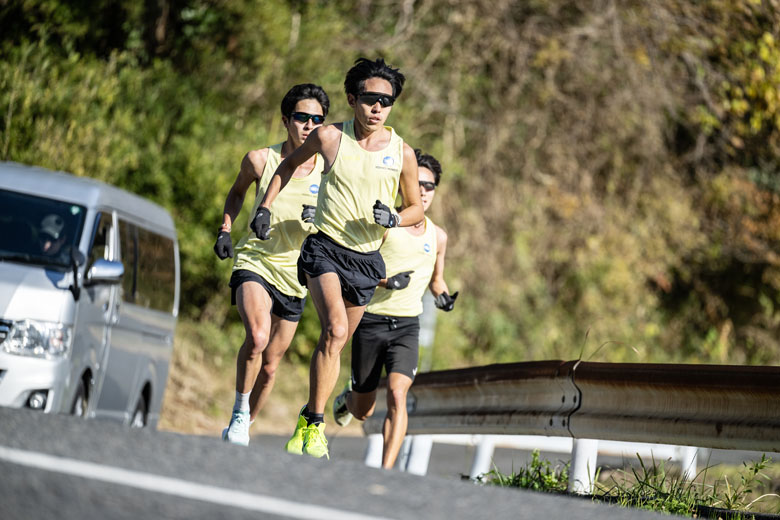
(38, 339)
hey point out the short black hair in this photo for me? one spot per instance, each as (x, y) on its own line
(304, 91)
(429, 161)
(364, 69)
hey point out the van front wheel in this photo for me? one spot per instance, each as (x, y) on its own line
(139, 415)
(80, 402)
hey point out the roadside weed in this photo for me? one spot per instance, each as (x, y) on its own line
(654, 487)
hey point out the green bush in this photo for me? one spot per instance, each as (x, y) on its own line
(611, 174)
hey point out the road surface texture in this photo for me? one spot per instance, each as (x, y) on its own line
(55, 466)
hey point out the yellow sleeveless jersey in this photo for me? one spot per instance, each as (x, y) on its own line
(276, 259)
(403, 251)
(357, 179)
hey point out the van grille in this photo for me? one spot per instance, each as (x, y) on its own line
(5, 329)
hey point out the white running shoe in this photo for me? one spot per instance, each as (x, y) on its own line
(340, 411)
(238, 431)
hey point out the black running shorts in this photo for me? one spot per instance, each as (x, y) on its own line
(359, 273)
(286, 307)
(383, 341)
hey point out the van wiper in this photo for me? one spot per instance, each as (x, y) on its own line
(16, 257)
(33, 259)
(42, 260)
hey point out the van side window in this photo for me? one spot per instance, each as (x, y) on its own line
(100, 249)
(150, 258)
(156, 271)
(128, 242)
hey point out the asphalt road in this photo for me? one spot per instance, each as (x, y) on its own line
(60, 467)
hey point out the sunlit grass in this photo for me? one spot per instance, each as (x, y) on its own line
(732, 493)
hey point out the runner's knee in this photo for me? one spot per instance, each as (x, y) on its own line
(336, 334)
(257, 341)
(396, 399)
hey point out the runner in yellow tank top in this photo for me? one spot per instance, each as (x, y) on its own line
(264, 282)
(365, 164)
(388, 334)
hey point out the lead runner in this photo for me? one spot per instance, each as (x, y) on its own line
(365, 164)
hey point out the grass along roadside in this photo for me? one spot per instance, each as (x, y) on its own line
(717, 492)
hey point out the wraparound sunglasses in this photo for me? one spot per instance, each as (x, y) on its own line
(302, 117)
(371, 98)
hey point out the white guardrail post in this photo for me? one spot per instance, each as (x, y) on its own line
(483, 456)
(582, 472)
(688, 458)
(419, 454)
(374, 450)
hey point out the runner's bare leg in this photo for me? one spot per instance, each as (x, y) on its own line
(254, 307)
(282, 332)
(397, 419)
(338, 321)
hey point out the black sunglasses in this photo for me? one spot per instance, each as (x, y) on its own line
(302, 117)
(428, 185)
(371, 98)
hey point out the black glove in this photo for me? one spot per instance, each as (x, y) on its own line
(261, 224)
(446, 302)
(384, 217)
(398, 281)
(308, 213)
(224, 246)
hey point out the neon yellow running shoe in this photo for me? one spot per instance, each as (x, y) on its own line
(314, 441)
(295, 444)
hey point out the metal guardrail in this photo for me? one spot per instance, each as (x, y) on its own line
(714, 406)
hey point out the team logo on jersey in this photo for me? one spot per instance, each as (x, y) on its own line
(314, 188)
(427, 248)
(388, 161)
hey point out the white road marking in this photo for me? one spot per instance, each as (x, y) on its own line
(177, 487)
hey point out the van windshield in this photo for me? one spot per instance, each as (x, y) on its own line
(36, 230)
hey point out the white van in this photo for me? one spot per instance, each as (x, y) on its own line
(89, 296)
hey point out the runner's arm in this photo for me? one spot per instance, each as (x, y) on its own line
(412, 212)
(251, 171)
(438, 285)
(383, 281)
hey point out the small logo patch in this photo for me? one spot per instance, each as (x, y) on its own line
(314, 188)
(388, 161)
(427, 248)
